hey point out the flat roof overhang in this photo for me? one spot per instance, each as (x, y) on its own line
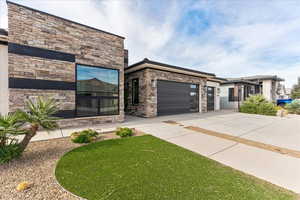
(148, 64)
(240, 82)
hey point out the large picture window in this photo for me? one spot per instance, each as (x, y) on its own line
(97, 91)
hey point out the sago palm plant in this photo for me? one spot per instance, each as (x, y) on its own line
(10, 125)
(39, 114)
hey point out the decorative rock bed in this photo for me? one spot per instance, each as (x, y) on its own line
(36, 166)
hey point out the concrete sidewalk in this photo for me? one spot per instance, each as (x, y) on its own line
(273, 167)
(130, 121)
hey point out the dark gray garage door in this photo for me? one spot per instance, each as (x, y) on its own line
(176, 98)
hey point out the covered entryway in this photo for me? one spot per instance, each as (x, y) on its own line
(176, 97)
(210, 98)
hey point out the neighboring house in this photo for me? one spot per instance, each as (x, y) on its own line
(288, 93)
(79, 66)
(270, 84)
(153, 88)
(236, 90)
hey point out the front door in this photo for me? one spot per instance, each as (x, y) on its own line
(210, 98)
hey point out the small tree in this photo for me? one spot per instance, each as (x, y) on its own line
(40, 114)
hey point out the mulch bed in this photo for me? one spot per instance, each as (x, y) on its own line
(37, 166)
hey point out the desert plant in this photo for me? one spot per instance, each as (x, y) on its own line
(10, 125)
(40, 114)
(124, 132)
(257, 104)
(85, 136)
(9, 152)
(294, 107)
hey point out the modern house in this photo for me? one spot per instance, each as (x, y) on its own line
(79, 66)
(153, 88)
(235, 90)
(86, 70)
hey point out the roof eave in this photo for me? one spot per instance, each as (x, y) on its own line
(147, 61)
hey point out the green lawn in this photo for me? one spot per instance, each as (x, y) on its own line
(147, 168)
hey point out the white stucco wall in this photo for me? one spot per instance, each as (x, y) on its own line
(267, 89)
(216, 85)
(3, 79)
(224, 97)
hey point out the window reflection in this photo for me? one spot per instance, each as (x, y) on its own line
(97, 91)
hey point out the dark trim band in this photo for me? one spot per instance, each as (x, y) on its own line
(39, 52)
(65, 114)
(24, 83)
(3, 43)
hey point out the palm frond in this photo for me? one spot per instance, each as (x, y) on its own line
(41, 113)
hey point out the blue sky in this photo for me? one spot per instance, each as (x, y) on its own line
(230, 38)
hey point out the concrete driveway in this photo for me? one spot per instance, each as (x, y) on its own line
(279, 169)
(282, 132)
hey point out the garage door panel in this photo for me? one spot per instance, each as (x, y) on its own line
(175, 98)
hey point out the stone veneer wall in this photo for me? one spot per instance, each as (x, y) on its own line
(34, 68)
(148, 90)
(90, 47)
(140, 109)
(65, 98)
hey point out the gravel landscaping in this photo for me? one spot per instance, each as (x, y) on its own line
(37, 167)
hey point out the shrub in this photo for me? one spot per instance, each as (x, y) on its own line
(124, 132)
(10, 126)
(257, 104)
(267, 109)
(294, 107)
(9, 152)
(85, 136)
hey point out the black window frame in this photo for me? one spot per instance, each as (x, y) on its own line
(96, 97)
(194, 88)
(231, 97)
(135, 93)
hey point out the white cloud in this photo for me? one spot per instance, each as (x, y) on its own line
(230, 38)
(3, 14)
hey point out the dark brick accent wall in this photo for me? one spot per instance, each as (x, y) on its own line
(90, 46)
